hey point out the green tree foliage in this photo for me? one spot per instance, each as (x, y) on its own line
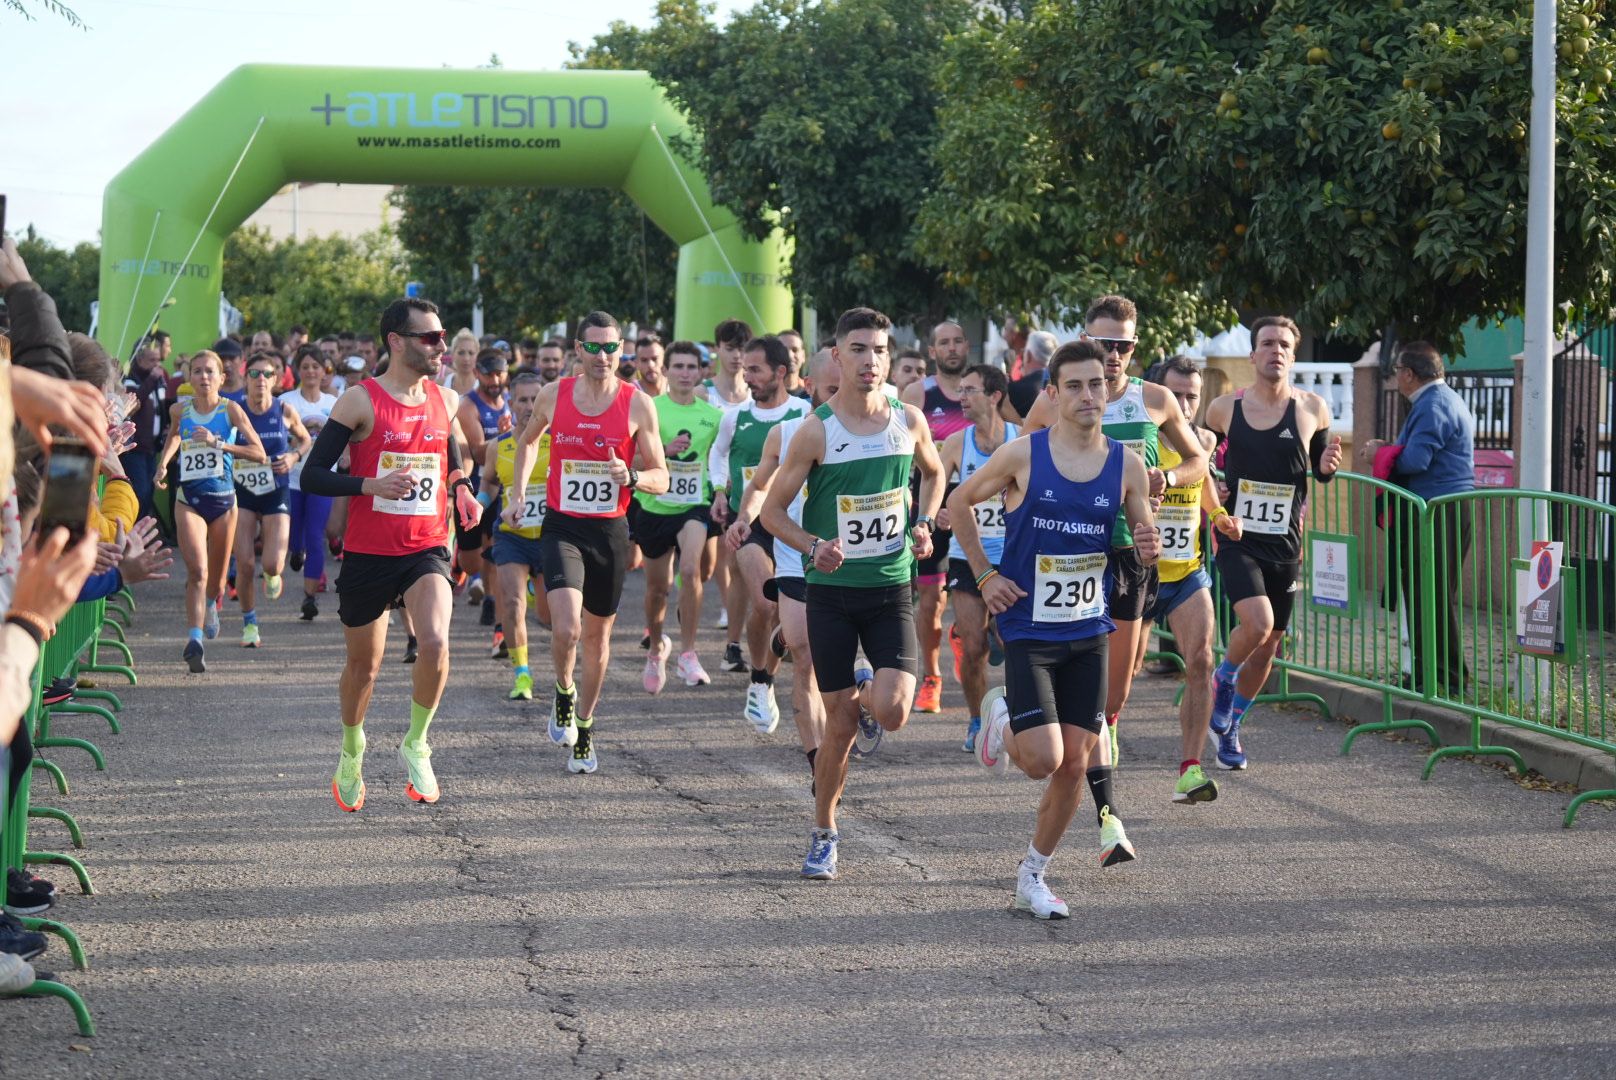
(1357, 164)
(1009, 215)
(543, 255)
(819, 117)
(72, 278)
(326, 283)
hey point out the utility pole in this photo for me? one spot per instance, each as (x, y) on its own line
(1537, 369)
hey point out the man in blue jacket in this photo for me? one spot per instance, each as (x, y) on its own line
(1434, 455)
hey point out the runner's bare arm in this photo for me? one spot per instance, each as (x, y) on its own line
(253, 448)
(527, 454)
(1041, 415)
(302, 440)
(807, 447)
(1219, 413)
(952, 449)
(488, 483)
(642, 414)
(913, 394)
(751, 501)
(1136, 504)
(1178, 433)
(1005, 471)
(471, 429)
(931, 480)
(170, 444)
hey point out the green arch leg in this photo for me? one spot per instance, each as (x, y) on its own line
(58, 859)
(55, 772)
(81, 1012)
(64, 817)
(75, 948)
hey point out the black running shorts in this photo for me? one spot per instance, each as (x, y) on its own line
(1244, 576)
(587, 554)
(368, 584)
(1055, 682)
(658, 534)
(842, 618)
(960, 579)
(1132, 585)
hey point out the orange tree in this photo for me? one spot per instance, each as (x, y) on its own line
(1358, 164)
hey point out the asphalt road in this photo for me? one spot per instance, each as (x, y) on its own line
(1326, 916)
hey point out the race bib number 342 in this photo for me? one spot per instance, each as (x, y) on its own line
(422, 498)
(871, 525)
(1069, 588)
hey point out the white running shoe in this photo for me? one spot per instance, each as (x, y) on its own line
(656, 666)
(691, 671)
(1035, 896)
(761, 711)
(995, 721)
(723, 619)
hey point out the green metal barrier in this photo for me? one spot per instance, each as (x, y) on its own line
(1549, 671)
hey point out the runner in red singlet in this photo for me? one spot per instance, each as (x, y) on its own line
(596, 422)
(404, 467)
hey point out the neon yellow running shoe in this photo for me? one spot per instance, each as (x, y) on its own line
(1194, 787)
(273, 584)
(423, 784)
(348, 786)
(1114, 845)
(250, 638)
(522, 690)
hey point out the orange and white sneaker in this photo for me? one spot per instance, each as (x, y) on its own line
(929, 698)
(348, 786)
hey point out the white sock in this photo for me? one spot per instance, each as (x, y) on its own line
(1035, 863)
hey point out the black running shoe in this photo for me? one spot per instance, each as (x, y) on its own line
(193, 657)
(310, 609)
(411, 649)
(295, 561)
(488, 611)
(27, 895)
(732, 658)
(15, 938)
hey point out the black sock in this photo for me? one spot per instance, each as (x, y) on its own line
(810, 755)
(761, 676)
(1100, 788)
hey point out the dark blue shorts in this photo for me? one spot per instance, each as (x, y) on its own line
(211, 505)
(278, 501)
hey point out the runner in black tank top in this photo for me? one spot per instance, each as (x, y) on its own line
(1274, 432)
(1256, 465)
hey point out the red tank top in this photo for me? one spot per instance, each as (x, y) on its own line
(404, 436)
(580, 447)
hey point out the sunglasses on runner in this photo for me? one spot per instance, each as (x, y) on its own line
(260, 373)
(595, 348)
(425, 337)
(1120, 346)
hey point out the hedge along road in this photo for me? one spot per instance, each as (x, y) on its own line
(1325, 916)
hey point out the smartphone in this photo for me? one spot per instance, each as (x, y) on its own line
(69, 487)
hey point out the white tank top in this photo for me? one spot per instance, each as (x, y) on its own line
(787, 559)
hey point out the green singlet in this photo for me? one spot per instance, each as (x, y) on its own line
(860, 493)
(693, 426)
(1128, 421)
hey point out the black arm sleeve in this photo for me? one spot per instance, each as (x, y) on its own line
(454, 452)
(1315, 451)
(319, 472)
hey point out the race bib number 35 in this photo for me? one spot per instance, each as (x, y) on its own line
(1178, 525)
(587, 488)
(253, 477)
(1069, 588)
(871, 525)
(422, 498)
(198, 461)
(1264, 508)
(684, 483)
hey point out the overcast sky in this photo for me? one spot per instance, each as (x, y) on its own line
(79, 105)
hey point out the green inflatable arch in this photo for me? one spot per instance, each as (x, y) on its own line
(166, 215)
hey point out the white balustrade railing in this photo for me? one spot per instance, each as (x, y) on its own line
(1332, 382)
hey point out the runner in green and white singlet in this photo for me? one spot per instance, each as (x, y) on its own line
(855, 454)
